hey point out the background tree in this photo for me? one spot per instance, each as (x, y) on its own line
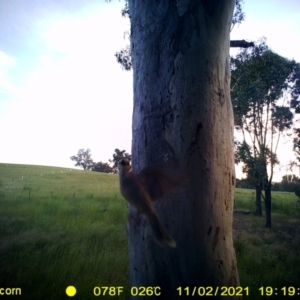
(238, 14)
(252, 169)
(102, 167)
(83, 159)
(297, 189)
(296, 142)
(262, 84)
(118, 155)
(182, 111)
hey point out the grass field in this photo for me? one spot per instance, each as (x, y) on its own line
(61, 227)
(268, 257)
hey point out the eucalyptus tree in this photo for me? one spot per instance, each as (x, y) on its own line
(296, 105)
(124, 55)
(296, 146)
(263, 96)
(183, 112)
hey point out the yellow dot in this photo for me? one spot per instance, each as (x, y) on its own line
(71, 290)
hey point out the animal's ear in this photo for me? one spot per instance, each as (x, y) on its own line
(161, 179)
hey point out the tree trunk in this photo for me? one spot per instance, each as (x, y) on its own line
(268, 204)
(182, 110)
(258, 189)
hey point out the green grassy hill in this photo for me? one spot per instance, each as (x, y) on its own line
(61, 227)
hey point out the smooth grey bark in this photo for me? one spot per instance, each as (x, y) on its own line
(182, 110)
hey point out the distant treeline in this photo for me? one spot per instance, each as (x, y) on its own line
(84, 159)
(289, 183)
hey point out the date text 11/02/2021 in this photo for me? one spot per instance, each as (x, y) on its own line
(213, 291)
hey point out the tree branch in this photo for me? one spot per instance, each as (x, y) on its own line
(241, 44)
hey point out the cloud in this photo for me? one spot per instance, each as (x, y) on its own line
(96, 28)
(6, 61)
(6, 64)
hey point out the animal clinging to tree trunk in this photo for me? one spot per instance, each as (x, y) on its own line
(141, 189)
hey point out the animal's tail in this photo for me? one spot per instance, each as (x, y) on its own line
(161, 235)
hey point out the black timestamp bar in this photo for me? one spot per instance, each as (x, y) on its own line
(203, 291)
(288, 291)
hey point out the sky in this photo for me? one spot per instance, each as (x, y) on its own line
(61, 88)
